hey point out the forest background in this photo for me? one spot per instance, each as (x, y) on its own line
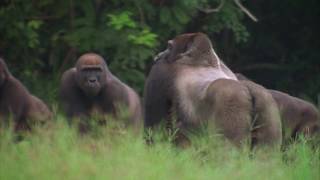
(281, 50)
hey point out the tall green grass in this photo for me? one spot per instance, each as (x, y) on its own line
(59, 152)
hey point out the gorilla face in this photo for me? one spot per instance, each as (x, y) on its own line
(91, 79)
(91, 74)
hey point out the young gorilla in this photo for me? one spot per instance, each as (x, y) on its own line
(298, 117)
(90, 88)
(18, 103)
(189, 79)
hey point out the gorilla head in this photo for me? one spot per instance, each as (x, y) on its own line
(196, 48)
(91, 73)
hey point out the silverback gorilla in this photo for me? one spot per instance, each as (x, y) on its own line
(188, 81)
(18, 103)
(298, 117)
(90, 88)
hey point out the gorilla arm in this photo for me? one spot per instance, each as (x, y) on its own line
(158, 94)
(38, 112)
(14, 100)
(70, 95)
(118, 95)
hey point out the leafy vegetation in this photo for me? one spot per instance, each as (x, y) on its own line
(40, 39)
(50, 35)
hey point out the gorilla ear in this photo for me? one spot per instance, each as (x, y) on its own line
(198, 50)
(190, 45)
(189, 48)
(180, 46)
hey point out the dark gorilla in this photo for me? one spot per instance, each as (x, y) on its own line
(90, 88)
(16, 102)
(298, 117)
(188, 81)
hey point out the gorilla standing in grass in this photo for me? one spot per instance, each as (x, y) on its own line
(189, 81)
(16, 102)
(298, 117)
(90, 88)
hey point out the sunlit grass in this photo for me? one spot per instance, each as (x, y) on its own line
(115, 153)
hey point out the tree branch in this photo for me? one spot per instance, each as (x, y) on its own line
(245, 10)
(43, 18)
(71, 52)
(210, 10)
(142, 20)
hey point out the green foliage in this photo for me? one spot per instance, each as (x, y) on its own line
(122, 20)
(43, 38)
(143, 38)
(127, 33)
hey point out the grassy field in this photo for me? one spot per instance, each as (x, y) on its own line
(115, 153)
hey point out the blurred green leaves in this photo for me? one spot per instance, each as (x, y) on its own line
(145, 37)
(121, 21)
(48, 36)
